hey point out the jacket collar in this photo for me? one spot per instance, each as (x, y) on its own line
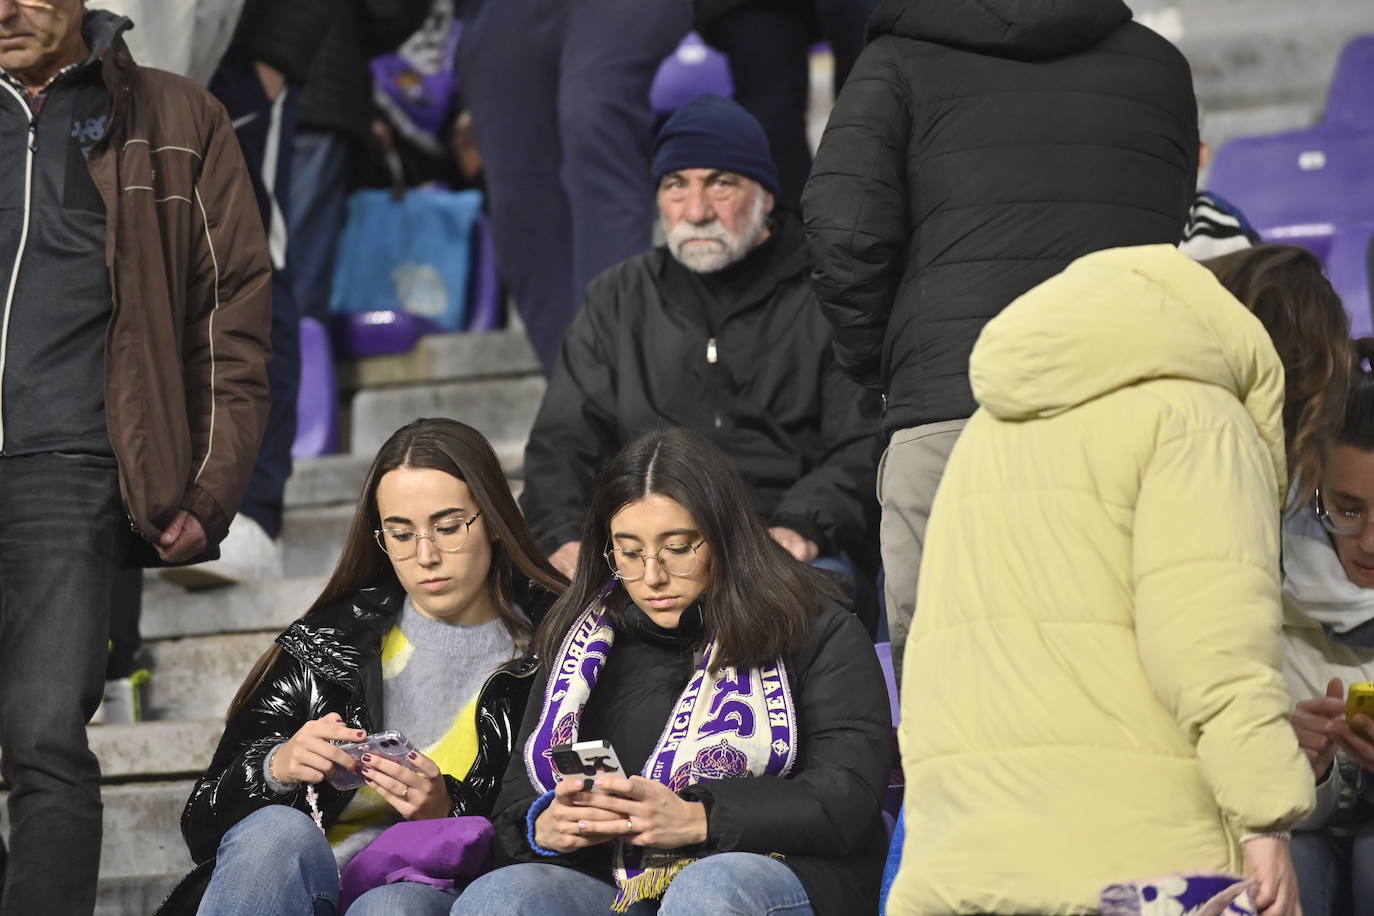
(339, 640)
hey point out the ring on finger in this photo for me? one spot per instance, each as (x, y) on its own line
(405, 791)
(630, 823)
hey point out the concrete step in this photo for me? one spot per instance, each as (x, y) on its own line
(311, 539)
(338, 479)
(133, 896)
(1245, 53)
(170, 611)
(196, 677)
(503, 410)
(154, 750)
(443, 357)
(142, 830)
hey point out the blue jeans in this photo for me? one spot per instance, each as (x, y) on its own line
(728, 884)
(276, 862)
(1329, 865)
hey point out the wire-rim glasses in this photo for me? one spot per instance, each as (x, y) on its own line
(448, 535)
(1343, 523)
(631, 565)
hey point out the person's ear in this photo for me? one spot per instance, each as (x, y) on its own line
(767, 202)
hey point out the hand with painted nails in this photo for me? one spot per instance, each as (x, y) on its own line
(568, 824)
(416, 789)
(644, 813)
(311, 752)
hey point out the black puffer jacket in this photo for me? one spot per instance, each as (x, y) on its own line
(976, 149)
(742, 357)
(824, 817)
(331, 662)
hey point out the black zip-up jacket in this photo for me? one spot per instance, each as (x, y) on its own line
(743, 357)
(975, 150)
(824, 817)
(331, 662)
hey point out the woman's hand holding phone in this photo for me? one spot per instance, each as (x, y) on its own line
(1314, 722)
(310, 753)
(645, 812)
(566, 825)
(417, 791)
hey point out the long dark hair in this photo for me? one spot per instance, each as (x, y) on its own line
(760, 600)
(461, 451)
(1284, 286)
(1358, 428)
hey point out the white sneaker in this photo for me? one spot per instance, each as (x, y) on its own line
(122, 704)
(246, 554)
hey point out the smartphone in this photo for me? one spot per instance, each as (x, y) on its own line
(389, 744)
(585, 759)
(1359, 699)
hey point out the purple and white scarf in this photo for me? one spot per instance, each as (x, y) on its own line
(731, 724)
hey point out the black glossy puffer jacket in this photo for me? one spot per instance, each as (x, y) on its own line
(331, 663)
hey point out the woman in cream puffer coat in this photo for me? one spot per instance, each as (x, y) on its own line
(1093, 690)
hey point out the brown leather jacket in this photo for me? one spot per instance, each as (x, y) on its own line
(187, 346)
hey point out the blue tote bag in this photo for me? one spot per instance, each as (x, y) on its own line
(410, 253)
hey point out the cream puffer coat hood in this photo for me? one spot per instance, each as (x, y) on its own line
(1092, 688)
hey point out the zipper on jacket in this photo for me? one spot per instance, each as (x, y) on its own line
(712, 357)
(30, 148)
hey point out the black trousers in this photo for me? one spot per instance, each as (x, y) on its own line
(769, 44)
(62, 534)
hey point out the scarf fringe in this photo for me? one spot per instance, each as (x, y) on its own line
(652, 883)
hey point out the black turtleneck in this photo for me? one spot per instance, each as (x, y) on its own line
(643, 678)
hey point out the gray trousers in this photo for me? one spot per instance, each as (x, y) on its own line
(908, 477)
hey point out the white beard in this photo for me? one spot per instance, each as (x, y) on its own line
(720, 249)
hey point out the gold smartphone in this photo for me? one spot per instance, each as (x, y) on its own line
(1359, 699)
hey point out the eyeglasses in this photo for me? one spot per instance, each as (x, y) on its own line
(449, 535)
(675, 559)
(1343, 522)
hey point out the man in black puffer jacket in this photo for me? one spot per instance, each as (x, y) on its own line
(975, 151)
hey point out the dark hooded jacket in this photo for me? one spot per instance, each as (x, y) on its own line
(977, 148)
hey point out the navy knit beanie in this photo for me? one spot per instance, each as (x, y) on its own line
(710, 132)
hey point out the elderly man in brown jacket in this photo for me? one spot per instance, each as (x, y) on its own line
(133, 349)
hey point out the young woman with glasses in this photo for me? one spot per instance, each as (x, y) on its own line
(746, 708)
(1328, 596)
(421, 630)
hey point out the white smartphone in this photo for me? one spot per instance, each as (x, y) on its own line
(585, 759)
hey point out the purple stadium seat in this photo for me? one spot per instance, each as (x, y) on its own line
(485, 311)
(1349, 101)
(1349, 272)
(1315, 187)
(317, 404)
(380, 333)
(692, 70)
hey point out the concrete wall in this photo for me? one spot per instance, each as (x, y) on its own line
(1259, 66)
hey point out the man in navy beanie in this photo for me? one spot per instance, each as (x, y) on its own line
(716, 330)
